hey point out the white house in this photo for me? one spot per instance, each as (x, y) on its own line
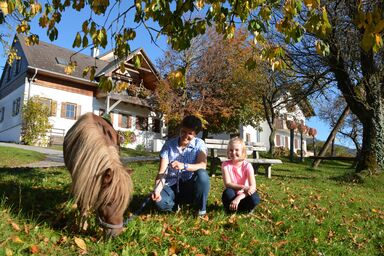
(40, 72)
(260, 135)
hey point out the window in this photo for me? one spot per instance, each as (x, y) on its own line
(18, 67)
(16, 106)
(2, 110)
(125, 121)
(157, 125)
(247, 137)
(9, 73)
(50, 104)
(69, 110)
(141, 123)
(257, 136)
(278, 143)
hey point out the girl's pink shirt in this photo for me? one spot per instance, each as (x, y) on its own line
(238, 175)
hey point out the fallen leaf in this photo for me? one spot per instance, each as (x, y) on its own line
(8, 252)
(172, 250)
(34, 249)
(205, 232)
(26, 229)
(17, 239)
(15, 226)
(280, 243)
(80, 243)
(62, 240)
(279, 223)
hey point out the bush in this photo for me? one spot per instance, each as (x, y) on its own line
(35, 122)
(126, 137)
(280, 152)
(140, 148)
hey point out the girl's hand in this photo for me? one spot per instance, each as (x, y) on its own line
(234, 204)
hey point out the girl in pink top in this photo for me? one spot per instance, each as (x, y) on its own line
(239, 179)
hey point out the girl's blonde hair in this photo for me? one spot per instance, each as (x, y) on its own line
(241, 142)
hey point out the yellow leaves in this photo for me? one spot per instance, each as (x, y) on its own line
(23, 27)
(4, 7)
(177, 79)
(312, 4)
(137, 61)
(70, 68)
(322, 48)
(80, 243)
(199, 4)
(8, 252)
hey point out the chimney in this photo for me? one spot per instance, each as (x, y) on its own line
(95, 52)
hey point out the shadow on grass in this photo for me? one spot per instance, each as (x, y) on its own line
(349, 177)
(31, 200)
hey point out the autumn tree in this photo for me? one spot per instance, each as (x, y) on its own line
(350, 58)
(217, 84)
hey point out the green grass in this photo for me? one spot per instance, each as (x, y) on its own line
(124, 152)
(327, 211)
(15, 157)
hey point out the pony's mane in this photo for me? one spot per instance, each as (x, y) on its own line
(88, 155)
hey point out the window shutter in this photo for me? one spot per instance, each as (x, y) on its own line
(63, 105)
(112, 117)
(137, 123)
(120, 121)
(53, 108)
(129, 121)
(78, 111)
(277, 140)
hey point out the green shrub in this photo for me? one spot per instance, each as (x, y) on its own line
(126, 137)
(35, 122)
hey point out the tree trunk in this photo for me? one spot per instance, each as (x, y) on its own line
(291, 151)
(272, 141)
(371, 157)
(333, 147)
(331, 136)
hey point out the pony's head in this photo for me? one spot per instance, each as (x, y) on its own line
(113, 200)
(100, 182)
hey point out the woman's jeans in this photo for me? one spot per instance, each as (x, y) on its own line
(247, 204)
(193, 191)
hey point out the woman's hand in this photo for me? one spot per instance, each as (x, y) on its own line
(177, 165)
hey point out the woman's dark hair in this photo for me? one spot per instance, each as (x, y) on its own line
(193, 123)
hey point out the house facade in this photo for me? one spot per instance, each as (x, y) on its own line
(40, 72)
(260, 135)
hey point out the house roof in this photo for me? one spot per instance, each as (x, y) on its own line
(54, 58)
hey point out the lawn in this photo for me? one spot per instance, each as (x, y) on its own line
(327, 211)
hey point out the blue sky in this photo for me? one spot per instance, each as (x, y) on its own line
(71, 23)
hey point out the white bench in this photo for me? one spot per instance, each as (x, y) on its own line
(217, 146)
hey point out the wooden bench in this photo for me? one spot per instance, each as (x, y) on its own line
(219, 147)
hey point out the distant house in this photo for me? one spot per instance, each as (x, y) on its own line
(40, 72)
(260, 134)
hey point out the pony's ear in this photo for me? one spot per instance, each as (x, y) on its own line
(107, 178)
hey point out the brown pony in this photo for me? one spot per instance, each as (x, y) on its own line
(100, 182)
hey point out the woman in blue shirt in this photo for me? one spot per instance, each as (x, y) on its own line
(186, 180)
